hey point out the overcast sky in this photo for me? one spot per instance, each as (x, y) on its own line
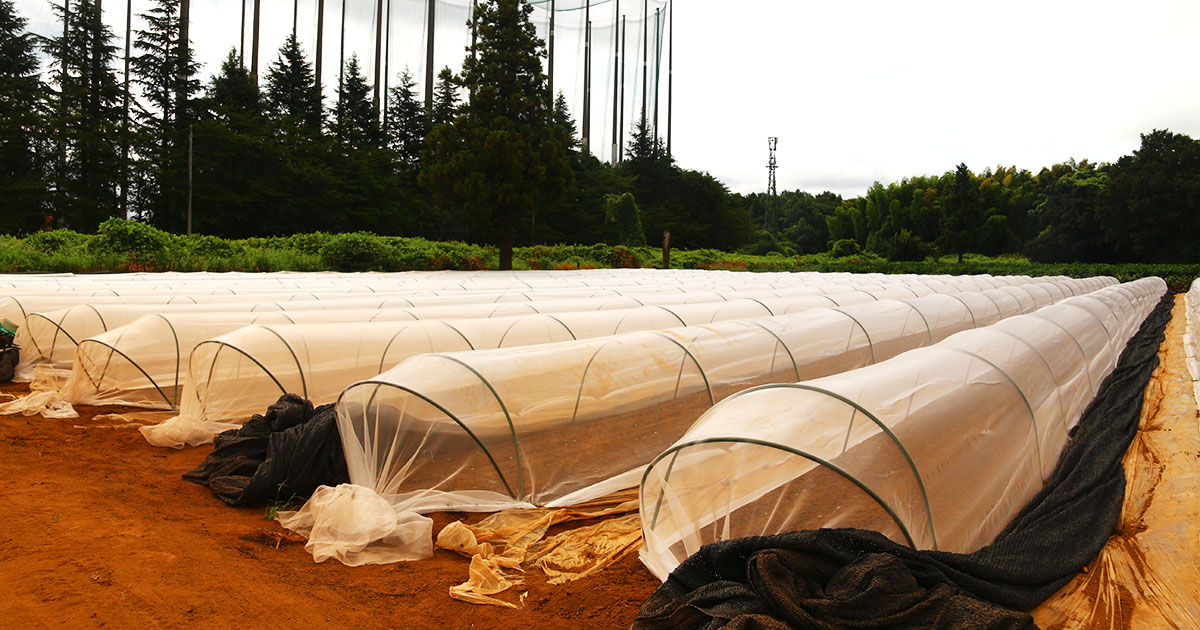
(859, 91)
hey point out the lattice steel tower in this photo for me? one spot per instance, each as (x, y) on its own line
(769, 218)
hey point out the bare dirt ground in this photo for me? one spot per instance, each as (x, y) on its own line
(99, 530)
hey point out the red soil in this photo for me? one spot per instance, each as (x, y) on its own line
(100, 531)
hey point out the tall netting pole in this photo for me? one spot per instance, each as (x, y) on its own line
(645, 51)
(429, 56)
(320, 46)
(670, 69)
(616, 80)
(254, 41)
(125, 100)
(550, 56)
(657, 67)
(378, 58)
(587, 76)
(341, 52)
(241, 40)
(624, 56)
(387, 53)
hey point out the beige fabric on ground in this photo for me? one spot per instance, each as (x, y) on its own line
(357, 526)
(44, 398)
(1146, 576)
(509, 542)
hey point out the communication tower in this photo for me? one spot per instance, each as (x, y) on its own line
(769, 218)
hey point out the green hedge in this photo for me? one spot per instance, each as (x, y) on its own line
(122, 245)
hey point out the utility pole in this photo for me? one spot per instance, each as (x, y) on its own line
(429, 58)
(612, 158)
(769, 217)
(254, 45)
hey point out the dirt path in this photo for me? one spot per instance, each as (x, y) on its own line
(99, 531)
(1146, 575)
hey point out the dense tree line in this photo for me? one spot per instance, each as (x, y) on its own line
(1145, 207)
(494, 159)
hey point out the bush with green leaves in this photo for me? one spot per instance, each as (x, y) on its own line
(845, 247)
(355, 251)
(51, 241)
(133, 239)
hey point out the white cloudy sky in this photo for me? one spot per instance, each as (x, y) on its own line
(865, 90)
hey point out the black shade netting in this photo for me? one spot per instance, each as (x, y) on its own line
(851, 578)
(279, 456)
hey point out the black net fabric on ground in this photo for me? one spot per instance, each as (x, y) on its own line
(280, 455)
(808, 579)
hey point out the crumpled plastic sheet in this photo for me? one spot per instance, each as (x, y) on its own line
(181, 431)
(357, 526)
(1145, 576)
(507, 543)
(44, 398)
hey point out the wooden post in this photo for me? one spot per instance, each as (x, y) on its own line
(666, 262)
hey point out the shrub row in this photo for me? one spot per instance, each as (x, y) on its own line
(122, 245)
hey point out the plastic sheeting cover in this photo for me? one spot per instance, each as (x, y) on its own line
(936, 448)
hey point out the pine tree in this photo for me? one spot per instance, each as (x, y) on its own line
(501, 157)
(445, 99)
(86, 117)
(354, 122)
(235, 161)
(22, 137)
(404, 125)
(160, 183)
(292, 97)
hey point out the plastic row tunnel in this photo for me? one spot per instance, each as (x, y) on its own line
(561, 423)
(116, 359)
(26, 297)
(135, 363)
(236, 374)
(936, 448)
(239, 373)
(51, 337)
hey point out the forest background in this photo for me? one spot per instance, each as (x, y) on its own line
(268, 160)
